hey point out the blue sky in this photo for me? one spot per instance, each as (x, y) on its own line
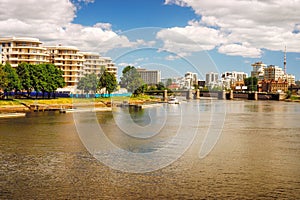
(186, 35)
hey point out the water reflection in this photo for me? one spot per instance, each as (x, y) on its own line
(256, 157)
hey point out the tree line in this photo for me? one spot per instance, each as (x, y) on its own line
(44, 78)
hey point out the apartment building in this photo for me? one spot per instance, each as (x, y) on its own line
(94, 63)
(273, 72)
(150, 77)
(258, 70)
(212, 79)
(16, 50)
(70, 61)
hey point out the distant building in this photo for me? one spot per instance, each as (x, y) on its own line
(94, 63)
(16, 50)
(70, 61)
(212, 79)
(232, 79)
(150, 77)
(191, 79)
(274, 86)
(290, 78)
(273, 72)
(258, 70)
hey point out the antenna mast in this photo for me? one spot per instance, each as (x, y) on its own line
(284, 62)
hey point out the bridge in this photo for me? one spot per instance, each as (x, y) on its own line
(222, 95)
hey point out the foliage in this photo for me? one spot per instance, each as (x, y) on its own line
(108, 81)
(141, 90)
(169, 82)
(131, 79)
(24, 73)
(251, 83)
(88, 83)
(11, 81)
(41, 78)
(160, 86)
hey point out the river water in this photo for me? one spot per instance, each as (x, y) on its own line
(255, 154)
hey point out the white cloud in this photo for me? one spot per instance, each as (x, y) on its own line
(51, 22)
(240, 50)
(270, 24)
(191, 38)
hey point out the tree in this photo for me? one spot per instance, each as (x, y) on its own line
(160, 86)
(54, 79)
(24, 73)
(169, 82)
(12, 81)
(108, 81)
(88, 83)
(251, 83)
(131, 79)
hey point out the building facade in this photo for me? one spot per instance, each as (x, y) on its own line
(212, 79)
(274, 86)
(150, 77)
(16, 50)
(258, 70)
(273, 72)
(232, 79)
(94, 63)
(70, 61)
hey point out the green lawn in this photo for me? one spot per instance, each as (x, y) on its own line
(15, 102)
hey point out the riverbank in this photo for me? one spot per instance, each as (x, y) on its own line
(28, 105)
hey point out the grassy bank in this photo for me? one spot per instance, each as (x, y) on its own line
(62, 101)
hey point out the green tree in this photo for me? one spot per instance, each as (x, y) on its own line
(108, 81)
(12, 81)
(169, 82)
(131, 79)
(24, 73)
(88, 83)
(54, 79)
(160, 86)
(251, 83)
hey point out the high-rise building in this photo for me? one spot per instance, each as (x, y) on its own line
(258, 70)
(232, 79)
(273, 72)
(94, 63)
(70, 61)
(15, 50)
(150, 77)
(191, 79)
(212, 79)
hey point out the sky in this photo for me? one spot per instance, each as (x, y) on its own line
(174, 36)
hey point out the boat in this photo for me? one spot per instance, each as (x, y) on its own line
(173, 100)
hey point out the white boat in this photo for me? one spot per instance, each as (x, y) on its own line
(173, 100)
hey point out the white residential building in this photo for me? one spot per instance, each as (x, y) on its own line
(70, 61)
(212, 79)
(229, 79)
(258, 70)
(94, 63)
(15, 50)
(191, 79)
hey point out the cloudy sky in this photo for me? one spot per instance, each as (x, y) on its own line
(172, 35)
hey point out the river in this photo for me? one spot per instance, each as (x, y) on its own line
(207, 149)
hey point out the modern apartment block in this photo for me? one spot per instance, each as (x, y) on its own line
(233, 79)
(94, 63)
(258, 70)
(17, 50)
(273, 72)
(69, 60)
(150, 77)
(191, 79)
(212, 79)
(74, 64)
